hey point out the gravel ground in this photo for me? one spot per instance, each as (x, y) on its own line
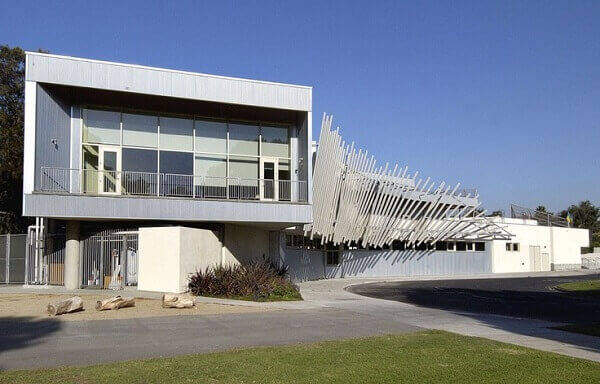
(34, 306)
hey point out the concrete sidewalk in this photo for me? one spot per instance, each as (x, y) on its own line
(525, 332)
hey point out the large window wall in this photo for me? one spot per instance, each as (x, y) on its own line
(209, 152)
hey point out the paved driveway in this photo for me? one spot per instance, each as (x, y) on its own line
(26, 344)
(528, 297)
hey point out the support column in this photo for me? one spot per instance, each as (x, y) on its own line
(72, 255)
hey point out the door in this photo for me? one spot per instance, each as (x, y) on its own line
(545, 262)
(109, 166)
(269, 188)
(535, 258)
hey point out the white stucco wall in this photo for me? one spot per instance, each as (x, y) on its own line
(244, 244)
(563, 246)
(167, 255)
(567, 245)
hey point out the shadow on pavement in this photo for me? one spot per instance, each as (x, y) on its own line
(21, 332)
(505, 309)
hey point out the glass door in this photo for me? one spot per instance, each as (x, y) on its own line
(109, 166)
(268, 175)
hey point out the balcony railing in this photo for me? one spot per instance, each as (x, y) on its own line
(95, 182)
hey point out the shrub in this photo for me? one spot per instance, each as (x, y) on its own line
(257, 281)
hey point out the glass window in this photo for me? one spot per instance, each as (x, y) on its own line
(441, 246)
(243, 168)
(211, 136)
(284, 170)
(398, 245)
(243, 139)
(508, 247)
(479, 246)
(140, 130)
(102, 127)
(421, 247)
(90, 166)
(140, 160)
(212, 166)
(451, 246)
(333, 257)
(139, 172)
(275, 141)
(176, 163)
(176, 134)
(461, 246)
(516, 247)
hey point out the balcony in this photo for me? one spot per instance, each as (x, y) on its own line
(133, 184)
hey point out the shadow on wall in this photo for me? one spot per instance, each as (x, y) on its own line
(413, 263)
(21, 332)
(508, 310)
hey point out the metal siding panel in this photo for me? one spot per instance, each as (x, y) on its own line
(156, 81)
(52, 122)
(414, 263)
(96, 207)
(183, 85)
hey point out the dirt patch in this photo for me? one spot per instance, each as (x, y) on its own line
(34, 305)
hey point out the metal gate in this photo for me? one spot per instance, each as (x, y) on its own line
(109, 260)
(45, 259)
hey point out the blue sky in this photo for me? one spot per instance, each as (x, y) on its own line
(501, 96)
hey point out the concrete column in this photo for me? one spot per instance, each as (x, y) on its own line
(72, 255)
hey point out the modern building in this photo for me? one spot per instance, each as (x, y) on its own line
(115, 146)
(140, 176)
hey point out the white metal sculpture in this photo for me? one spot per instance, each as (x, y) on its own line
(354, 199)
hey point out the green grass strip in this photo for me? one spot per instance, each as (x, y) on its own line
(423, 357)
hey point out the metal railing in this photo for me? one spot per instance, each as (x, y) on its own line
(98, 182)
(543, 218)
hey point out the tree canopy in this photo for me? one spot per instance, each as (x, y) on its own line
(586, 215)
(12, 79)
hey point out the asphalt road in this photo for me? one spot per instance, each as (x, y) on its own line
(530, 297)
(27, 343)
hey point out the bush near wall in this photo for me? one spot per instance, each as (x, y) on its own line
(257, 282)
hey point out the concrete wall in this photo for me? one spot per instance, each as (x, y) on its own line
(245, 244)
(167, 255)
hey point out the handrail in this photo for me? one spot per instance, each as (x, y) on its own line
(103, 182)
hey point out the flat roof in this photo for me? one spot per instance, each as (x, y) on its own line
(81, 72)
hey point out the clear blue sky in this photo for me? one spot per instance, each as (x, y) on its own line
(503, 96)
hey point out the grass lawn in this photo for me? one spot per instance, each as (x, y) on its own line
(592, 329)
(424, 357)
(590, 287)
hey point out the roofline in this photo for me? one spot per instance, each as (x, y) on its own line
(166, 70)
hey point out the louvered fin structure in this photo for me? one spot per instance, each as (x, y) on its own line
(354, 199)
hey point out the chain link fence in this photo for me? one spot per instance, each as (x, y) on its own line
(12, 258)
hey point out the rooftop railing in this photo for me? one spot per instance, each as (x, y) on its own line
(98, 182)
